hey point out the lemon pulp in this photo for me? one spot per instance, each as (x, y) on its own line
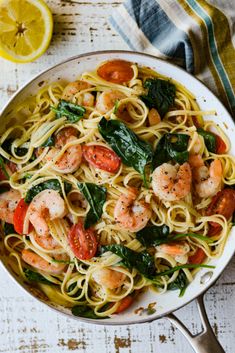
(25, 29)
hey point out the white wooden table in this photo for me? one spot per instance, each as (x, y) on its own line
(27, 326)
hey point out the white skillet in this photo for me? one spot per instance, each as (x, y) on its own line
(68, 70)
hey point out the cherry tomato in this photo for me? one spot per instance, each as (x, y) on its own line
(223, 203)
(197, 258)
(19, 216)
(83, 242)
(102, 158)
(117, 71)
(124, 304)
(220, 145)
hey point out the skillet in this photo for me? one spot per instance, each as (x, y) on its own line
(205, 341)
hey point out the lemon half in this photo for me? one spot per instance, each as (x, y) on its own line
(25, 29)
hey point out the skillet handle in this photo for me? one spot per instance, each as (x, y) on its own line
(203, 342)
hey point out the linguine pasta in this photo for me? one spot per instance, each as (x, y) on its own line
(35, 123)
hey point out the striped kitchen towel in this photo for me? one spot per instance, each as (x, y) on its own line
(198, 35)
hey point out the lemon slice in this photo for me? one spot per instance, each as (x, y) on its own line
(25, 29)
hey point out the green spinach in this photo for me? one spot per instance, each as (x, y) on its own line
(35, 276)
(49, 142)
(209, 138)
(180, 283)
(53, 184)
(8, 228)
(171, 147)
(96, 197)
(153, 235)
(73, 112)
(142, 261)
(133, 151)
(3, 168)
(20, 151)
(4, 188)
(176, 268)
(157, 235)
(160, 95)
(85, 311)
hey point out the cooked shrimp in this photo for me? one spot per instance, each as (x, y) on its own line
(195, 158)
(131, 214)
(8, 202)
(174, 248)
(48, 242)
(36, 261)
(107, 100)
(154, 117)
(87, 99)
(71, 158)
(48, 204)
(108, 278)
(177, 250)
(208, 180)
(172, 183)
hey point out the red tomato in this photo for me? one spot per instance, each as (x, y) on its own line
(117, 71)
(197, 258)
(223, 203)
(19, 216)
(220, 145)
(124, 304)
(83, 242)
(102, 158)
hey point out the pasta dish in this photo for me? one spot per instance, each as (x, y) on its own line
(111, 185)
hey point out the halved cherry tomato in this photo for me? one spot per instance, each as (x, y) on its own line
(223, 203)
(19, 216)
(116, 71)
(198, 257)
(124, 304)
(102, 158)
(83, 242)
(220, 145)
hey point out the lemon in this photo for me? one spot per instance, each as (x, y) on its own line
(25, 29)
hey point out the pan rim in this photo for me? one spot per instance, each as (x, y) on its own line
(106, 321)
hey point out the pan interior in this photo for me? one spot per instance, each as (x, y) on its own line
(68, 71)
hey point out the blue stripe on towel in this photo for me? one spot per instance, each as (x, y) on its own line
(214, 52)
(161, 32)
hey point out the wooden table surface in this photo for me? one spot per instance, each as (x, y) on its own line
(27, 326)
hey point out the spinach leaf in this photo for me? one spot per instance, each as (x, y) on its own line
(96, 197)
(8, 228)
(142, 261)
(209, 138)
(73, 112)
(20, 151)
(171, 147)
(49, 142)
(161, 95)
(85, 311)
(49, 184)
(180, 283)
(3, 168)
(176, 268)
(157, 235)
(35, 276)
(3, 188)
(153, 235)
(133, 151)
